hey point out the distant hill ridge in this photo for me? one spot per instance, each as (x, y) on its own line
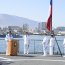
(11, 20)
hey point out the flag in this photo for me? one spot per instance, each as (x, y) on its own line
(49, 20)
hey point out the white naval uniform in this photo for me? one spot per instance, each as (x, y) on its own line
(45, 45)
(64, 45)
(26, 44)
(8, 37)
(51, 44)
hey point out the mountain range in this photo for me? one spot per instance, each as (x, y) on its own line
(11, 20)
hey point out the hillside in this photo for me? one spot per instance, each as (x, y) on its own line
(10, 20)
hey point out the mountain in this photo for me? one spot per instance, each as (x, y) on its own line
(10, 20)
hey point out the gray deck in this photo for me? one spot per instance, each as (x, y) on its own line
(31, 59)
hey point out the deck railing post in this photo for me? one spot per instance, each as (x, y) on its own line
(34, 46)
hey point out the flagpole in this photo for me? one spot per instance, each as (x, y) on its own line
(52, 32)
(51, 14)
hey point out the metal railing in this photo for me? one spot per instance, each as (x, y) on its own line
(35, 46)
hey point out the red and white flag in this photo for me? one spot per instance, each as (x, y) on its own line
(49, 20)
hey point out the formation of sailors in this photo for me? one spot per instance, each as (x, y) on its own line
(47, 43)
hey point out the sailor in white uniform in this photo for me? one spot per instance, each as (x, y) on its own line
(64, 47)
(26, 44)
(8, 37)
(45, 44)
(51, 44)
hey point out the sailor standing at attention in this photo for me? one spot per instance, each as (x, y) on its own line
(26, 44)
(51, 44)
(45, 45)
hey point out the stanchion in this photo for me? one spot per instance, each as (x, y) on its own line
(58, 46)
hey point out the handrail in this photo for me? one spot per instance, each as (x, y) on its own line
(33, 42)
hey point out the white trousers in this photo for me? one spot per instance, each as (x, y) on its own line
(45, 50)
(51, 50)
(26, 48)
(64, 51)
(6, 48)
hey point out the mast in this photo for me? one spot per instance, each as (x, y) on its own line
(51, 6)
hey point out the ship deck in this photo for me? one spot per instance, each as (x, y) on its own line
(32, 59)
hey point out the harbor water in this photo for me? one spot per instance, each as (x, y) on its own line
(35, 44)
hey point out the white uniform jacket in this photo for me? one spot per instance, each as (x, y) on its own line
(26, 40)
(45, 41)
(51, 43)
(8, 37)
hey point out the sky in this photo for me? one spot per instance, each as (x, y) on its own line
(37, 10)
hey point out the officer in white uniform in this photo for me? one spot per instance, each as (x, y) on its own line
(45, 44)
(26, 44)
(8, 37)
(51, 44)
(64, 47)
